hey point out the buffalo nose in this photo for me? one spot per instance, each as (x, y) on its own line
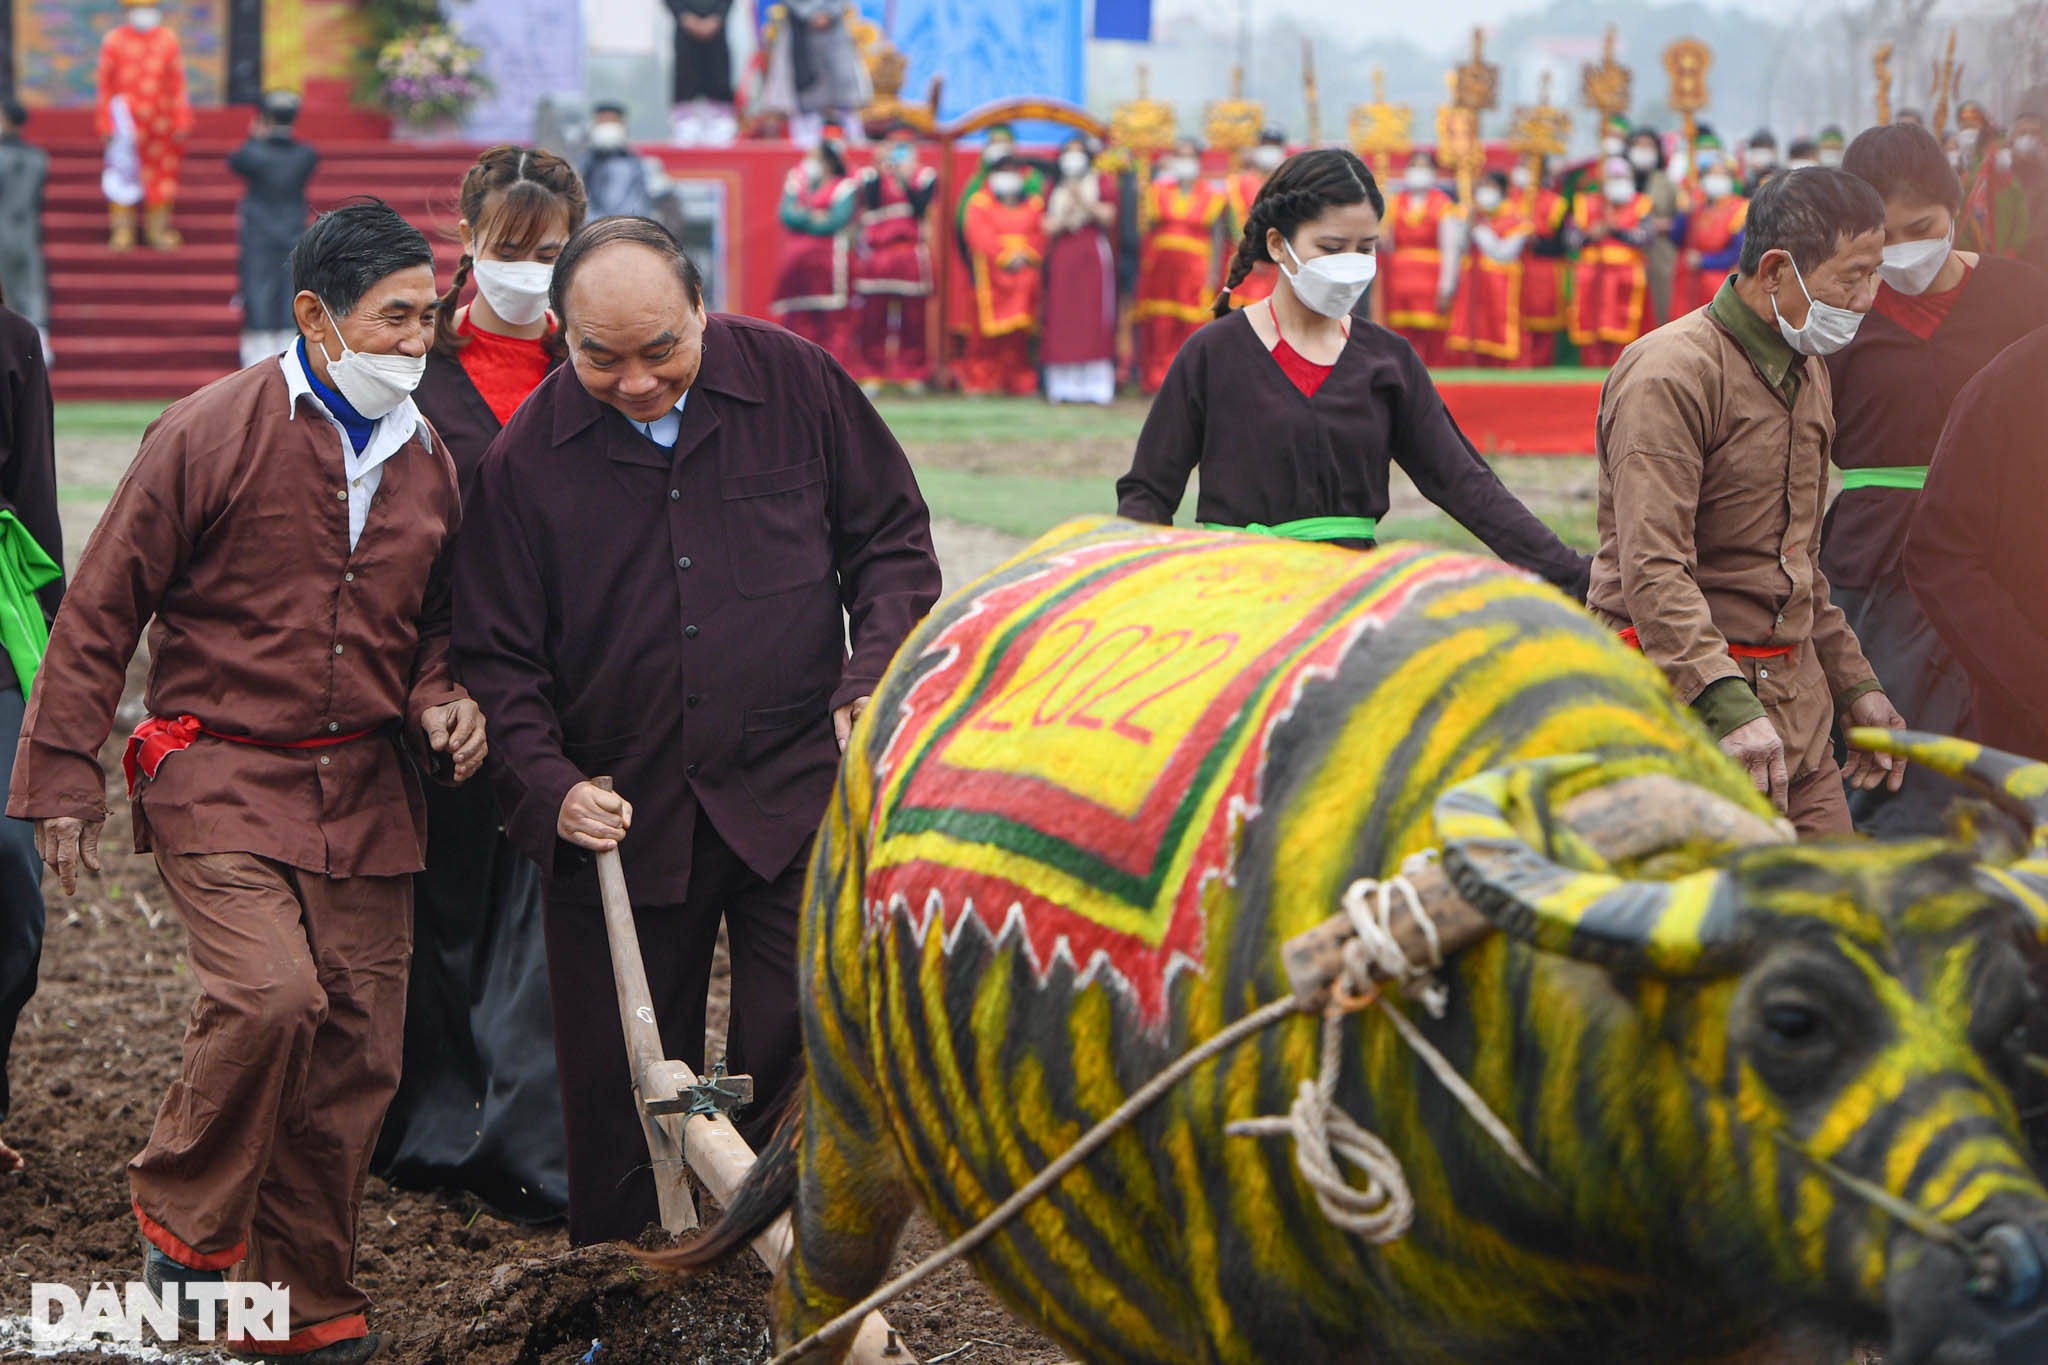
(2007, 1268)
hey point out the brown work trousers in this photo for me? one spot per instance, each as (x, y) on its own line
(260, 1150)
(1795, 695)
(611, 1184)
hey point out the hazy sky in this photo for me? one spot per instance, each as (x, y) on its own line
(1445, 24)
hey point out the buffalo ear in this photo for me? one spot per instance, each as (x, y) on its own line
(2018, 786)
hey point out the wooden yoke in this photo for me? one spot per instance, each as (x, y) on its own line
(1623, 822)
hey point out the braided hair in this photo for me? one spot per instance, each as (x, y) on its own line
(512, 194)
(1307, 185)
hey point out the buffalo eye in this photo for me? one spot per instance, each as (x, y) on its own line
(1791, 1023)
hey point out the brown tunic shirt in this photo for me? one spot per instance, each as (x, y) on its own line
(1711, 486)
(1269, 455)
(679, 618)
(231, 531)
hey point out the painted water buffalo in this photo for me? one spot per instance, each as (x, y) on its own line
(1766, 1090)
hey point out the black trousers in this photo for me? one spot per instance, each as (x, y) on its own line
(21, 894)
(611, 1186)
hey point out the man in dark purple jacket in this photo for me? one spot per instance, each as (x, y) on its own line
(665, 554)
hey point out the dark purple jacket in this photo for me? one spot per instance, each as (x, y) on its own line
(673, 618)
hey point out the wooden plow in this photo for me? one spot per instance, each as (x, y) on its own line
(687, 1119)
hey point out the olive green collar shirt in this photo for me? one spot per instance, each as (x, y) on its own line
(1713, 440)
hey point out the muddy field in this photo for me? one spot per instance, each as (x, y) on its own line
(452, 1282)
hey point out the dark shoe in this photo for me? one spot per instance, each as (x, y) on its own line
(353, 1351)
(159, 1270)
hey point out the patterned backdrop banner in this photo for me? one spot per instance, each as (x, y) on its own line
(988, 50)
(58, 47)
(532, 49)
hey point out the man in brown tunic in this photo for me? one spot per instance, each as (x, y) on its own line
(283, 528)
(665, 556)
(1713, 438)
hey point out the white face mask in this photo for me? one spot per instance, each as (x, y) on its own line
(1830, 157)
(373, 384)
(1612, 146)
(1643, 158)
(1966, 139)
(1331, 285)
(1006, 184)
(1828, 328)
(1621, 191)
(1419, 179)
(1799, 164)
(608, 137)
(1761, 159)
(1074, 165)
(1184, 170)
(1520, 178)
(516, 290)
(1267, 157)
(2027, 145)
(1910, 267)
(1718, 186)
(143, 18)
(1487, 197)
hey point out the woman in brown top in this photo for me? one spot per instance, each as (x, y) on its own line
(479, 1105)
(1292, 410)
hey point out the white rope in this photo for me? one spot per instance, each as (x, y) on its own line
(1383, 1208)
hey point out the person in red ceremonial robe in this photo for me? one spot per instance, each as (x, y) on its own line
(1178, 265)
(1256, 169)
(142, 65)
(893, 273)
(1005, 227)
(1710, 238)
(1419, 248)
(813, 283)
(1610, 280)
(1078, 349)
(1543, 265)
(1486, 314)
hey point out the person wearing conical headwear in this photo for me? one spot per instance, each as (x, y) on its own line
(142, 65)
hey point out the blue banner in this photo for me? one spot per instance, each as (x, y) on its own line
(990, 49)
(1127, 21)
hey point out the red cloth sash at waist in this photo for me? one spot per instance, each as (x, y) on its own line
(156, 739)
(1633, 641)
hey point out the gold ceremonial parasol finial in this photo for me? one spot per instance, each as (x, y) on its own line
(1313, 95)
(1474, 89)
(1687, 61)
(1947, 76)
(1140, 130)
(1234, 123)
(1607, 85)
(1541, 129)
(887, 68)
(1881, 68)
(1381, 131)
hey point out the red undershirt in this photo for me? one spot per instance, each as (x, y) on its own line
(1303, 373)
(1920, 314)
(504, 369)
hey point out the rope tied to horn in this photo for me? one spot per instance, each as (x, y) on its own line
(1383, 1208)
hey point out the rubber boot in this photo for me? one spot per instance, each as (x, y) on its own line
(122, 235)
(157, 226)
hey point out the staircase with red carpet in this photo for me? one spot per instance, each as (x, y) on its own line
(150, 324)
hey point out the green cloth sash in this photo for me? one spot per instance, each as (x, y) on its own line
(1904, 476)
(24, 567)
(1310, 528)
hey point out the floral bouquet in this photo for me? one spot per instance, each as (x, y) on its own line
(428, 75)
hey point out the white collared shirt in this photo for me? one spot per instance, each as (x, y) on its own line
(364, 472)
(664, 429)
